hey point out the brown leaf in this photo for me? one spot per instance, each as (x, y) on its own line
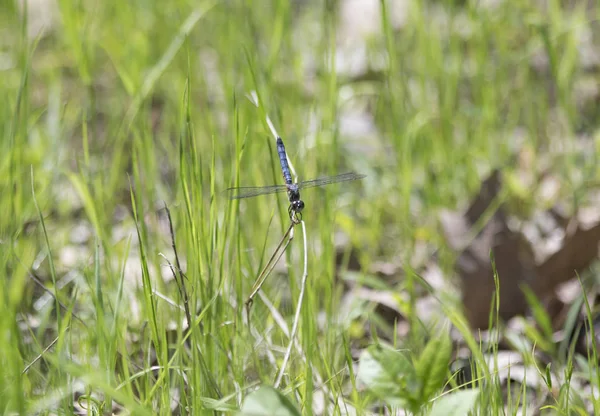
(511, 252)
(579, 249)
(542, 253)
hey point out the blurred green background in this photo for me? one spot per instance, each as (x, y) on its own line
(111, 110)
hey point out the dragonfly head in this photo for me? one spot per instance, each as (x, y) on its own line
(295, 210)
(298, 205)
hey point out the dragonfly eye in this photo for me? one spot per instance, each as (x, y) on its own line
(299, 206)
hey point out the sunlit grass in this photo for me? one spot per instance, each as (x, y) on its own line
(120, 108)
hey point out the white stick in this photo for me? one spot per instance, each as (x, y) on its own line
(298, 310)
(253, 97)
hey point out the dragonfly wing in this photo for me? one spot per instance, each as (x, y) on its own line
(344, 177)
(250, 191)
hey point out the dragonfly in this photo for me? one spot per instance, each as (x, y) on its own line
(292, 188)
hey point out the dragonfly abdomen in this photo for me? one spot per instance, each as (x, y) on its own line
(285, 168)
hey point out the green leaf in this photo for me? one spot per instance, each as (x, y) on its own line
(542, 319)
(432, 366)
(266, 401)
(388, 374)
(89, 204)
(548, 376)
(455, 404)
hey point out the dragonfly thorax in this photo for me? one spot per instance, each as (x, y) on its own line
(296, 204)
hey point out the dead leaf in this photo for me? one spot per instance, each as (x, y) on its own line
(579, 249)
(512, 255)
(542, 252)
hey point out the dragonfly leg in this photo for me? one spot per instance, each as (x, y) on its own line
(266, 271)
(295, 216)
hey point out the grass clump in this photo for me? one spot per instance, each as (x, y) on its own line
(113, 110)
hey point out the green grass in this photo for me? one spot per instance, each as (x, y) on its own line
(122, 107)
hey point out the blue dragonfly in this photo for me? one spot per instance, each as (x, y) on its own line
(292, 188)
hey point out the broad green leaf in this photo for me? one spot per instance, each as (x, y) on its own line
(432, 366)
(388, 374)
(266, 401)
(455, 404)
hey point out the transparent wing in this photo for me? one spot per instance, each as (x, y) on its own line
(344, 177)
(250, 191)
